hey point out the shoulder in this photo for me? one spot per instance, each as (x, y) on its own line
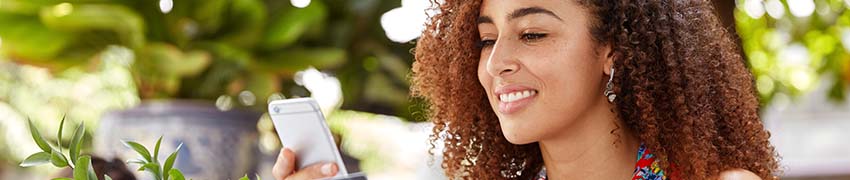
(738, 174)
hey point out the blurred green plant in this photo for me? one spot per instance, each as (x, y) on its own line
(198, 49)
(791, 46)
(203, 49)
(28, 92)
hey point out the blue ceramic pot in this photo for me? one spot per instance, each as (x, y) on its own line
(216, 144)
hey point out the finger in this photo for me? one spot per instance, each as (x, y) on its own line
(284, 165)
(315, 171)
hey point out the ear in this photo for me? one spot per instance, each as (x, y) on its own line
(607, 55)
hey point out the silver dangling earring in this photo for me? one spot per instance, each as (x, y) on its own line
(608, 87)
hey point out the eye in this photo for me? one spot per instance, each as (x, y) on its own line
(533, 36)
(486, 43)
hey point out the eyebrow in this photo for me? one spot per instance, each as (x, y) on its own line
(521, 13)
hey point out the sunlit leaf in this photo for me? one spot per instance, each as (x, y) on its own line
(36, 159)
(39, 139)
(76, 143)
(152, 168)
(59, 136)
(88, 17)
(141, 150)
(175, 174)
(58, 159)
(156, 150)
(167, 59)
(33, 41)
(136, 161)
(169, 162)
(28, 7)
(82, 168)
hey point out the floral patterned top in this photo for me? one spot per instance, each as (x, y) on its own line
(647, 167)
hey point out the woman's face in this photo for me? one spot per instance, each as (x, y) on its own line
(540, 67)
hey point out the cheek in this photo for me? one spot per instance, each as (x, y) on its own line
(483, 77)
(564, 67)
(563, 73)
(569, 78)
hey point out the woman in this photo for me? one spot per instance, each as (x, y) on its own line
(582, 89)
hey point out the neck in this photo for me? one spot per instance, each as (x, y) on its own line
(590, 150)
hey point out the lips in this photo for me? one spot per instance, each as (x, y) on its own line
(514, 98)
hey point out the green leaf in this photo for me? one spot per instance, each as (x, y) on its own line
(76, 143)
(245, 23)
(176, 175)
(141, 150)
(156, 150)
(28, 7)
(287, 27)
(82, 168)
(91, 17)
(58, 159)
(168, 60)
(91, 174)
(136, 161)
(36, 159)
(59, 137)
(209, 14)
(299, 59)
(34, 43)
(106, 177)
(62, 179)
(152, 168)
(39, 139)
(169, 163)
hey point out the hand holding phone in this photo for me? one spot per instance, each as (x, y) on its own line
(302, 128)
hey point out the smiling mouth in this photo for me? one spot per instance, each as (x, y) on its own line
(516, 96)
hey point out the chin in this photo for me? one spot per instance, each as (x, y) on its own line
(516, 136)
(517, 140)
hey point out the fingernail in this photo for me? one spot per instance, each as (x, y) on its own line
(326, 169)
(281, 156)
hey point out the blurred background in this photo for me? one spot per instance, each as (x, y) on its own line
(200, 72)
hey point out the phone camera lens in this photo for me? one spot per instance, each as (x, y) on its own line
(277, 109)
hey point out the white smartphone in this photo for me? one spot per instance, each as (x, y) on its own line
(302, 128)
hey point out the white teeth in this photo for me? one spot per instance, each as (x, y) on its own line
(511, 97)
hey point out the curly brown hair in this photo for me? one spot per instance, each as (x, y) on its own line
(681, 82)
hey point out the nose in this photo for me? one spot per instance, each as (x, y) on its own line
(502, 61)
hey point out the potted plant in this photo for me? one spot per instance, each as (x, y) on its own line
(82, 166)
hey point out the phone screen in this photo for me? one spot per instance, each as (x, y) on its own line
(302, 128)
